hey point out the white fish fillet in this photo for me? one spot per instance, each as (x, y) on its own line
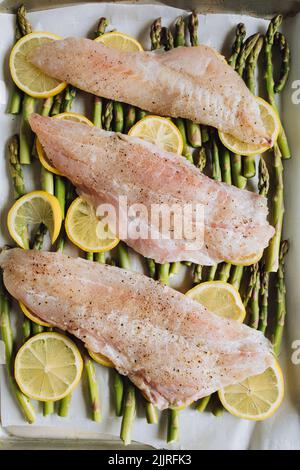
(187, 82)
(170, 346)
(105, 166)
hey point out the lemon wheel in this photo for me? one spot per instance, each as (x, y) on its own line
(220, 298)
(32, 317)
(86, 230)
(120, 41)
(100, 359)
(272, 125)
(33, 209)
(27, 76)
(48, 367)
(159, 131)
(257, 397)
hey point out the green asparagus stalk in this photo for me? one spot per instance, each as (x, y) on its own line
(202, 403)
(164, 273)
(179, 36)
(129, 414)
(7, 337)
(251, 283)
(130, 118)
(254, 303)
(15, 99)
(39, 237)
(119, 393)
(93, 388)
(249, 162)
(269, 79)
(285, 62)
(240, 61)
(264, 297)
(226, 166)
(26, 136)
(118, 117)
(174, 268)
(192, 129)
(193, 28)
(280, 299)
(236, 276)
(57, 104)
(217, 176)
(98, 102)
(151, 267)
(167, 39)
(197, 273)
(108, 115)
(185, 151)
(15, 168)
(26, 327)
(68, 99)
(276, 213)
(173, 425)
(240, 34)
(151, 413)
(155, 34)
(64, 406)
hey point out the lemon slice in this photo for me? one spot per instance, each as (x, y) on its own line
(86, 230)
(257, 397)
(100, 359)
(27, 76)
(34, 209)
(120, 41)
(272, 125)
(68, 116)
(159, 131)
(48, 367)
(248, 260)
(220, 298)
(32, 317)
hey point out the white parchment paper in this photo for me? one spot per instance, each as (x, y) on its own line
(197, 431)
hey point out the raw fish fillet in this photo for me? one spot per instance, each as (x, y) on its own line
(105, 166)
(171, 347)
(188, 82)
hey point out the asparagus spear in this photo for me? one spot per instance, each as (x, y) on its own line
(254, 303)
(245, 51)
(93, 388)
(15, 99)
(98, 102)
(15, 168)
(26, 136)
(167, 38)
(151, 413)
(129, 414)
(57, 104)
(118, 117)
(185, 151)
(119, 393)
(216, 175)
(285, 62)
(173, 425)
(68, 99)
(7, 337)
(264, 296)
(280, 299)
(202, 403)
(179, 36)
(240, 34)
(151, 267)
(276, 212)
(251, 283)
(193, 28)
(130, 118)
(155, 34)
(269, 79)
(108, 115)
(249, 162)
(193, 129)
